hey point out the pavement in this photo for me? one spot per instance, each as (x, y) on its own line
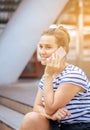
(24, 91)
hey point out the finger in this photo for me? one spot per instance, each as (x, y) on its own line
(50, 59)
(58, 60)
(67, 112)
(53, 60)
(62, 112)
(61, 116)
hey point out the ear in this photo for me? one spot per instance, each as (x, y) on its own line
(66, 49)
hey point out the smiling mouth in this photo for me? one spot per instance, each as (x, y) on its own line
(43, 58)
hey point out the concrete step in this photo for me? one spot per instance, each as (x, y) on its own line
(16, 100)
(19, 96)
(15, 105)
(9, 119)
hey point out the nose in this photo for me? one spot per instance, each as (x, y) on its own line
(43, 51)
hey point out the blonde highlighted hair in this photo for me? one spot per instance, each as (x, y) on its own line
(61, 34)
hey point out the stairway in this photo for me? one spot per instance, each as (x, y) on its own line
(7, 8)
(15, 101)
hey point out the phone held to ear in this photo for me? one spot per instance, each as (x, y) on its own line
(60, 51)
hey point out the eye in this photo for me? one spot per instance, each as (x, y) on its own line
(48, 47)
(40, 46)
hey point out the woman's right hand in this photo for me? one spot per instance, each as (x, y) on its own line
(53, 65)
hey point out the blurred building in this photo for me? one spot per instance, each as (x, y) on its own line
(75, 17)
(16, 99)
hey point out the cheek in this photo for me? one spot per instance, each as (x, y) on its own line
(51, 52)
(38, 49)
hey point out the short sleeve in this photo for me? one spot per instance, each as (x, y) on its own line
(76, 76)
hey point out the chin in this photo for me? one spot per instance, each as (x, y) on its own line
(43, 62)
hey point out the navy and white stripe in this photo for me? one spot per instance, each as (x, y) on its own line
(79, 106)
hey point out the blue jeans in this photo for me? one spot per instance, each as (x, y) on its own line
(77, 126)
(54, 125)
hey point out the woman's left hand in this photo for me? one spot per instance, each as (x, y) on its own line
(60, 114)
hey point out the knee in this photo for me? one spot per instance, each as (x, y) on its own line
(32, 116)
(29, 121)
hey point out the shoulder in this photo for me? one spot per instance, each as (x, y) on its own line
(74, 71)
(74, 75)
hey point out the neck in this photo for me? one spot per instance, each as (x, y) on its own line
(62, 67)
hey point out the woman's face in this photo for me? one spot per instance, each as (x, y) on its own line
(47, 46)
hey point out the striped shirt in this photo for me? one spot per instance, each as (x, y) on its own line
(79, 106)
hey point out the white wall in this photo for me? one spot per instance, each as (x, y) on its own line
(22, 33)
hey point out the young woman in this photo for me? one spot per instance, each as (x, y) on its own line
(63, 97)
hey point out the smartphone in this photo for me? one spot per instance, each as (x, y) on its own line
(61, 52)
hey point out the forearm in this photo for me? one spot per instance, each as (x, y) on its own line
(41, 110)
(60, 114)
(48, 93)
